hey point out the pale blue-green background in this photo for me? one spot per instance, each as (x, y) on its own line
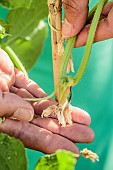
(94, 94)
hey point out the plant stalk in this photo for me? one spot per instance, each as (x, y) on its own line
(89, 43)
(92, 12)
(14, 58)
(55, 13)
(64, 84)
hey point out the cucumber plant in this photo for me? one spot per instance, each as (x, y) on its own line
(63, 83)
(19, 41)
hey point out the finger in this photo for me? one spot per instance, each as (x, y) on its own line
(37, 138)
(3, 83)
(75, 16)
(23, 93)
(38, 106)
(78, 115)
(6, 71)
(32, 89)
(104, 30)
(75, 132)
(108, 6)
(22, 81)
(15, 106)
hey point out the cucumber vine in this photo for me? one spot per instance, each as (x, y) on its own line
(93, 15)
(61, 55)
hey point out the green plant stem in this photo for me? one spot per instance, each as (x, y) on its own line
(45, 98)
(71, 42)
(92, 12)
(14, 58)
(66, 56)
(69, 47)
(55, 13)
(89, 43)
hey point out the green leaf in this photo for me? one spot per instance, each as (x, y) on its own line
(15, 3)
(29, 50)
(61, 160)
(28, 31)
(12, 154)
(24, 21)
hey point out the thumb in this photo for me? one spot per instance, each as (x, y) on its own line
(75, 16)
(14, 106)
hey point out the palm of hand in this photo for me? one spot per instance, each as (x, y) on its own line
(45, 134)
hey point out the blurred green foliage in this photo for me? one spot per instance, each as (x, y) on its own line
(26, 27)
(12, 154)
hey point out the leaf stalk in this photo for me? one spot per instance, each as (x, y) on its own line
(14, 58)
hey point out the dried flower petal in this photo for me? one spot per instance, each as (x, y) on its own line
(63, 113)
(89, 154)
(61, 119)
(49, 111)
(70, 66)
(67, 114)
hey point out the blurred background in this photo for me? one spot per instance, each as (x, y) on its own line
(94, 94)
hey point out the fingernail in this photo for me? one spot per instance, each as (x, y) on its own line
(23, 114)
(67, 29)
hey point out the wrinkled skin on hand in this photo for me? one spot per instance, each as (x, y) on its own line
(76, 12)
(11, 104)
(75, 18)
(44, 135)
(7, 77)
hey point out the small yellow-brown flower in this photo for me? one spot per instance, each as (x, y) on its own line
(88, 154)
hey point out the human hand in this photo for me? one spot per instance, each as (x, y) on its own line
(75, 19)
(76, 12)
(45, 134)
(11, 104)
